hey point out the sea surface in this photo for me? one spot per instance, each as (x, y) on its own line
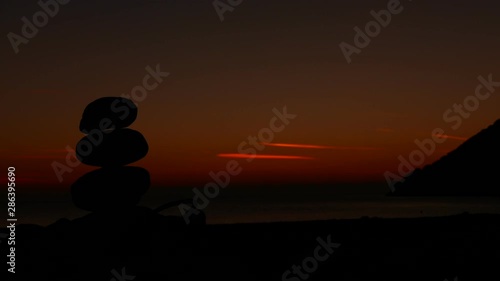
(268, 203)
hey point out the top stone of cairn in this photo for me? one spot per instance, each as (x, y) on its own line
(108, 113)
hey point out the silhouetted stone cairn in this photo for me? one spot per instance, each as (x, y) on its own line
(109, 144)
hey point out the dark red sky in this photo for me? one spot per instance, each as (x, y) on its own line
(226, 77)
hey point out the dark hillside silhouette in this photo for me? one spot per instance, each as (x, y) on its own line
(471, 169)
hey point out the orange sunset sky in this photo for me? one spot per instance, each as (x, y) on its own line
(353, 120)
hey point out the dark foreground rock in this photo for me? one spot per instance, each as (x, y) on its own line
(149, 246)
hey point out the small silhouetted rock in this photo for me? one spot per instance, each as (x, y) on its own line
(115, 148)
(110, 188)
(108, 112)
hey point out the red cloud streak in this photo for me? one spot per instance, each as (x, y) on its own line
(289, 157)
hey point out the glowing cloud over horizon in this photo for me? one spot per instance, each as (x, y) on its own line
(246, 156)
(449, 137)
(312, 146)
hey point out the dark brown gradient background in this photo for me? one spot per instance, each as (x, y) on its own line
(226, 77)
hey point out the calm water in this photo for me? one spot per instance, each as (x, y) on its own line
(269, 204)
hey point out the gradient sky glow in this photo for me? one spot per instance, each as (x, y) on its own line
(353, 120)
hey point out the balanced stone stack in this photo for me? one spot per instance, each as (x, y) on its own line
(109, 144)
